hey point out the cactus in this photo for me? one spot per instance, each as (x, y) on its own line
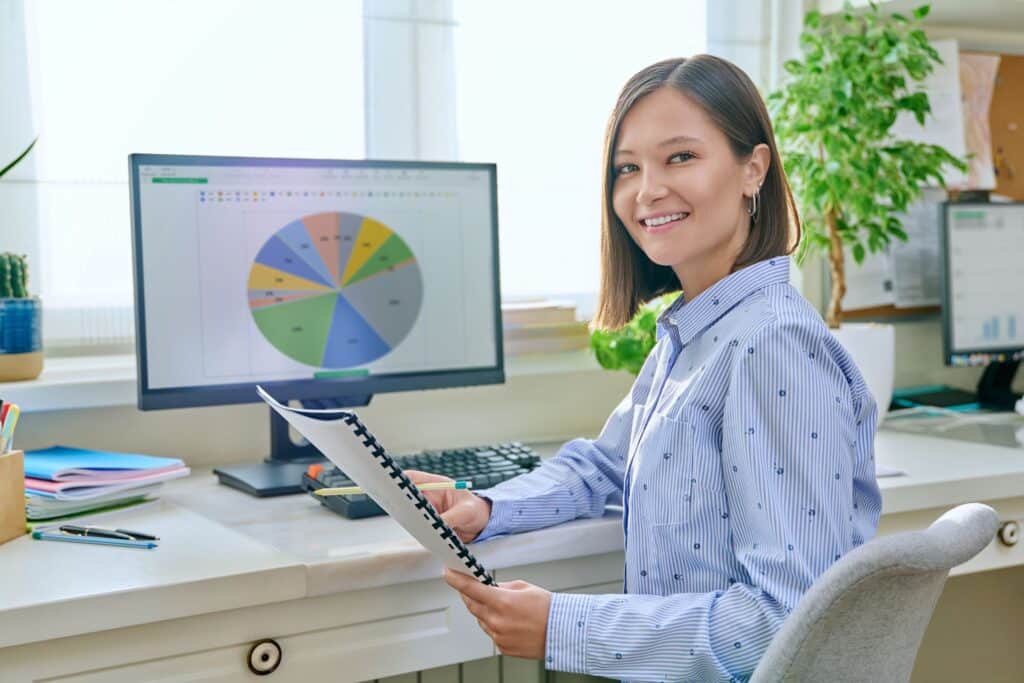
(13, 276)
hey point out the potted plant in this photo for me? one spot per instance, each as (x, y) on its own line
(627, 347)
(850, 176)
(21, 353)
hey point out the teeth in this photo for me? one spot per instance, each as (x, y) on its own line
(655, 222)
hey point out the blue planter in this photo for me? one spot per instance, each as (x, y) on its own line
(21, 325)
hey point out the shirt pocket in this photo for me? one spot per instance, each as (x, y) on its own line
(677, 472)
(661, 472)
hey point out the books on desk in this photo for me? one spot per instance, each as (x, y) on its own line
(542, 326)
(62, 481)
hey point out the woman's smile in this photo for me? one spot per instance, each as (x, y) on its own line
(657, 224)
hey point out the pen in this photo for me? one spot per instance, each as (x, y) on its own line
(7, 431)
(138, 535)
(107, 533)
(433, 486)
(120, 542)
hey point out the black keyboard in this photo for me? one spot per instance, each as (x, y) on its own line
(485, 466)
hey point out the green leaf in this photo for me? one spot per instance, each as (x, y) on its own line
(858, 252)
(18, 159)
(922, 12)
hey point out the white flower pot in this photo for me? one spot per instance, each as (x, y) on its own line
(872, 347)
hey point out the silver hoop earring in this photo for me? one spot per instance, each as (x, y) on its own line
(753, 206)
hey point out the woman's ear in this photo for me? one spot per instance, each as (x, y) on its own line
(756, 168)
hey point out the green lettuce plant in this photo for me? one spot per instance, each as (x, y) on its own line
(851, 177)
(627, 347)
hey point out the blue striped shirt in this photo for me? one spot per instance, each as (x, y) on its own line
(744, 459)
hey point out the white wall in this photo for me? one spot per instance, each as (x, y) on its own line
(539, 407)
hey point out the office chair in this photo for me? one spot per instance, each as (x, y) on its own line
(864, 618)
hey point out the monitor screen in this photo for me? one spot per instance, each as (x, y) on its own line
(983, 308)
(315, 278)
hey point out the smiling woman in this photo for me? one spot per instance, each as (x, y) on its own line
(688, 148)
(743, 454)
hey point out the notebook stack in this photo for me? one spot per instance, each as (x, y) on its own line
(542, 326)
(62, 481)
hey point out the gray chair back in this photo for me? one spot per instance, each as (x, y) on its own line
(864, 618)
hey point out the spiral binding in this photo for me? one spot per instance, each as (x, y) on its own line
(421, 503)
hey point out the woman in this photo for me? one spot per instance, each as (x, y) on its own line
(744, 451)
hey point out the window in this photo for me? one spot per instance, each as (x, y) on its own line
(111, 77)
(535, 84)
(526, 85)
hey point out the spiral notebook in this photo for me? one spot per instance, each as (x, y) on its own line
(345, 441)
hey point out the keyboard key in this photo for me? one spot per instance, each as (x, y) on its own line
(484, 465)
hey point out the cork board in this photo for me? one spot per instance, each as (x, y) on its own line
(1007, 120)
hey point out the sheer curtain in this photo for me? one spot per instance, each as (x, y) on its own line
(536, 81)
(112, 77)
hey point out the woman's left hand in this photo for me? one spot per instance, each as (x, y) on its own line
(514, 614)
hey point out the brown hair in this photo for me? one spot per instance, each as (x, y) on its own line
(732, 102)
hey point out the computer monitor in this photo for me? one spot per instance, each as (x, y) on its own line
(325, 281)
(983, 294)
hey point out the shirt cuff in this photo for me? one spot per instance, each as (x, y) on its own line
(501, 513)
(566, 647)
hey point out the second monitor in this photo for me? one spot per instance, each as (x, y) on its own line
(983, 304)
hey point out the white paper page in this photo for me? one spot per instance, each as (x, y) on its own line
(977, 85)
(868, 284)
(944, 126)
(353, 453)
(917, 263)
(883, 471)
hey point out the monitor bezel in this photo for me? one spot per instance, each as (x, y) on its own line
(947, 300)
(334, 388)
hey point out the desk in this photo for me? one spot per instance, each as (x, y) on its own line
(359, 598)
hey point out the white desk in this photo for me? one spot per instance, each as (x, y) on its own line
(358, 597)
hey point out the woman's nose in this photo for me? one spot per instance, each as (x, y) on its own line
(652, 188)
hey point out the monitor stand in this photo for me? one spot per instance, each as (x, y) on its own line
(281, 473)
(994, 387)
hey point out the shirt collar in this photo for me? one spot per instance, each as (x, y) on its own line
(689, 318)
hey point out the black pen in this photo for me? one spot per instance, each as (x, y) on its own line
(124, 534)
(139, 535)
(94, 531)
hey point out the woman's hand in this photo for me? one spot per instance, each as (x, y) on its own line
(514, 614)
(465, 512)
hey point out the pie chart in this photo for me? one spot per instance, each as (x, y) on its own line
(335, 290)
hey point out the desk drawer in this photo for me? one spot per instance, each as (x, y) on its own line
(356, 637)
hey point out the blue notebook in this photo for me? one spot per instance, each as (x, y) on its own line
(63, 463)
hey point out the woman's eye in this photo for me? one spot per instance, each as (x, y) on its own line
(682, 156)
(624, 168)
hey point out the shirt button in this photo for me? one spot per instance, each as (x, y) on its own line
(643, 572)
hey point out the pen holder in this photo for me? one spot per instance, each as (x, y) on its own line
(12, 495)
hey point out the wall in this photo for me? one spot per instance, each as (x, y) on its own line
(554, 406)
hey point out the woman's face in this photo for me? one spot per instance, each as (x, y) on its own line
(679, 189)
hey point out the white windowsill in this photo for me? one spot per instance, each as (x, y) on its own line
(103, 381)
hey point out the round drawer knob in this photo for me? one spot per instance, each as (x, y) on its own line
(1009, 533)
(264, 657)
